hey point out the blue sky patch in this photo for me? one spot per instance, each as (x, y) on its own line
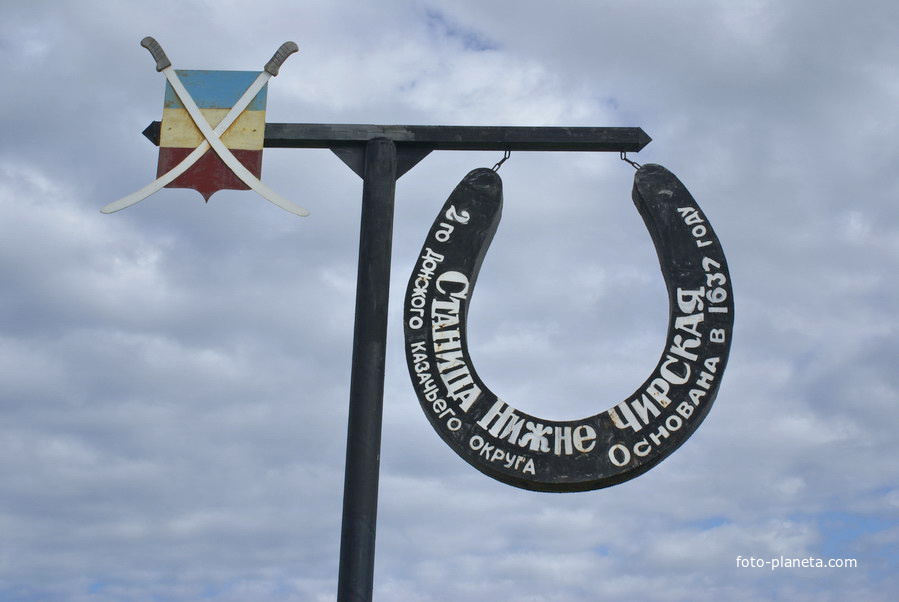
(470, 39)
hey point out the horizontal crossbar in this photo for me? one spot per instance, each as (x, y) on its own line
(450, 137)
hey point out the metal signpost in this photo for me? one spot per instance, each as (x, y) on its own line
(504, 443)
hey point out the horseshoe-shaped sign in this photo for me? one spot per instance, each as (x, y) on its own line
(616, 444)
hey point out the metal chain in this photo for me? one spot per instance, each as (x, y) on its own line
(499, 164)
(634, 164)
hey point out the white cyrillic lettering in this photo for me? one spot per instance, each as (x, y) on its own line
(506, 423)
(466, 398)
(459, 373)
(444, 313)
(448, 360)
(670, 375)
(450, 336)
(535, 438)
(690, 300)
(674, 422)
(684, 409)
(443, 234)
(644, 407)
(512, 429)
(453, 277)
(485, 451)
(655, 436)
(658, 389)
(644, 450)
(499, 414)
(429, 254)
(705, 380)
(680, 346)
(584, 438)
(619, 455)
(562, 438)
(428, 265)
(629, 419)
(690, 324)
(696, 396)
(690, 215)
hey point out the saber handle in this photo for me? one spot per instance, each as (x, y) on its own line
(162, 61)
(273, 66)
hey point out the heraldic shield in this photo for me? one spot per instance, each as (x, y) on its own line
(215, 92)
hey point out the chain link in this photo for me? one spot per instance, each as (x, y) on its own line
(634, 164)
(499, 164)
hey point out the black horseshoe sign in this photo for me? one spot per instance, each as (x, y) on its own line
(620, 442)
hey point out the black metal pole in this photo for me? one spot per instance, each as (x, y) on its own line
(363, 456)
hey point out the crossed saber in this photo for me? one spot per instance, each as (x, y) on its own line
(212, 136)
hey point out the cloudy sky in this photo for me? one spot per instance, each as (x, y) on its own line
(174, 377)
